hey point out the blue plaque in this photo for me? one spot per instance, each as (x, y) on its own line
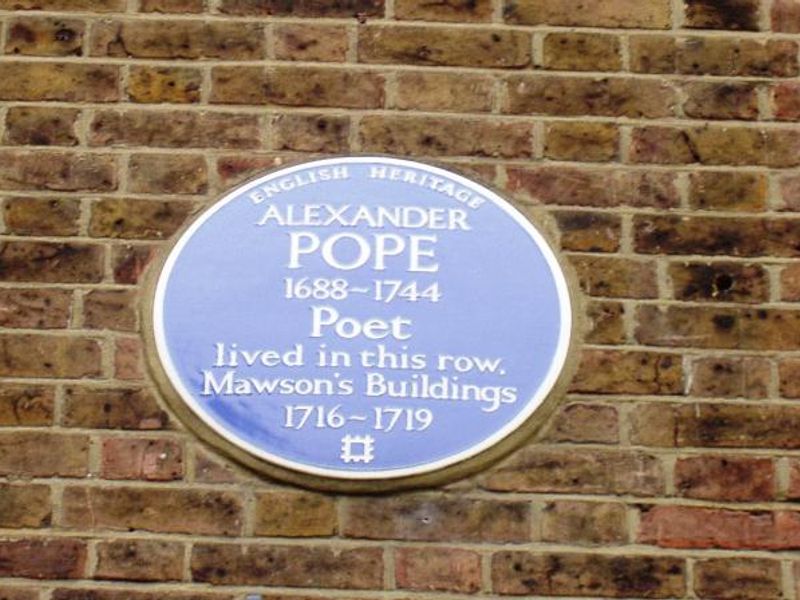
(361, 318)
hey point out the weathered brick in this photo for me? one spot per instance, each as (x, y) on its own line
(41, 216)
(139, 560)
(786, 101)
(146, 459)
(304, 8)
(454, 10)
(15, 593)
(615, 277)
(435, 136)
(452, 92)
(575, 522)
(727, 100)
(291, 514)
(581, 96)
(738, 57)
(592, 13)
(175, 129)
(294, 566)
(43, 454)
(311, 133)
(112, 408)
(719, 282)
(715, 425)
(793, 491)
(49, 262)
(35, 308)
(168, 174)
(129, 218)
(444, 47)
(110, 309)
(652, 53)
(238, 168)
(739, 377)
(55, 171)
(588, 187)
(26, 405)
(606, 323)
(68, 82)
(211, 469)
(438, 569)
(583, 422)
(178, 39)
(321, 43)
(297, 86)
(128, 359)
(56, 558)
(735, 578)
(436, 518)
(741, 15)
(583, 142)
(24, 506)
(37, 36)
(111, 594)
(699, 235)
(789, 187)
(728, 190)
(627, 372)
(662, 145)
(790, 283)
(164, 510)
(695, 527)
(786, 16)
(582, 52)
(41, 126)
(49, 356)
(726, 478)
(528, 574)
(130, 262)
(593, 471)
(100, 6)
(180, 85)
(589, 231)
(172, 6)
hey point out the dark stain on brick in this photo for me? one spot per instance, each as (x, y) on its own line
(724, 322)
(722, 14)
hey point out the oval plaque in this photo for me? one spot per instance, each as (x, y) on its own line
(360, 318)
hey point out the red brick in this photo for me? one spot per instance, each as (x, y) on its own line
(111, 309)
(721, 100)
(304, 8)
(168, 174)
(26, 405)
(38, 36)
(574, 522)
(436, 518)
(146, 459)
(210, 469)
(615, 277)
(738, 377)
(444, 47)
(56, 558)
(41, 126)
(786, 101)
(175, 39)
(67, 82)
(241, 167)
(793, 492)
(734, 578)
(49, 356)
(139, 560)
(533, 574)
(740, 15)
(297, 86)
(163, 510)
(436, 136)
(573, 471)
(725, 478)
(292, 566)
(14, 593)
(56, 171)
(35, 308)
(128, 359)
(41, 454)
(593, 13)
(41, 216)
(581, 96)
(112, 408)
(129, 263)
(628, 372)
(584, 422)
(322, 43)
(24, 506)
(589, 231)
(438, 569)
(786, 16)
(290, 514)
(694, 527)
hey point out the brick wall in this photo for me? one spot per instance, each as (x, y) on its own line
(662, 138)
